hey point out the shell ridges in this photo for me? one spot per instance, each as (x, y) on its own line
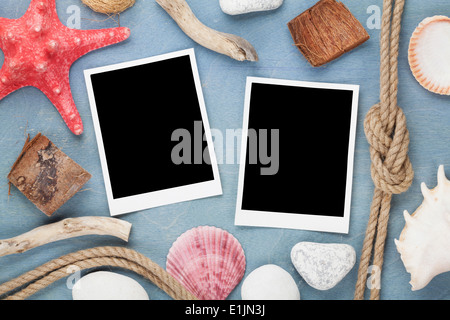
(428, 52)
(208, 261)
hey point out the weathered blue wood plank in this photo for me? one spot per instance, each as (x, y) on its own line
(223, 80)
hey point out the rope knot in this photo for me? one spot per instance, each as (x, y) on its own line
(388, 137)
(386, 132)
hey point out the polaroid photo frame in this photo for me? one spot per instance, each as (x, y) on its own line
(296, 162)
(152, 132)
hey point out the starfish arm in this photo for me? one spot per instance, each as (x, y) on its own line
(84, 41)
(5, 31)
(6, 87)
(66, 107)
(39, 51)
(57, 89)
(4, 23)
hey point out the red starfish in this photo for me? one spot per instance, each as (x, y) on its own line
(39, 51)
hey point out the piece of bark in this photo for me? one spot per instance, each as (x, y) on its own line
(46, 175)
(326, 31)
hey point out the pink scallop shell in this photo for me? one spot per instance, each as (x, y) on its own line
(208, 261)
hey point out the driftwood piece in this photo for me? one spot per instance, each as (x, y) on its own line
(224, 43)
(326, 31)
(46, 175)
(65, 229)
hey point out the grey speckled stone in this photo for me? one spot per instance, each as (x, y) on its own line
(234, 7)
(323, 265)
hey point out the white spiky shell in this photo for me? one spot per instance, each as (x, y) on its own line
(424, 243)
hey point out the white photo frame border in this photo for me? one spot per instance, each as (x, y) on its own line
(162, 197)
(297, 221)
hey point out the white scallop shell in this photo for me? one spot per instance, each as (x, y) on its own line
(424, 243)
(429, 54)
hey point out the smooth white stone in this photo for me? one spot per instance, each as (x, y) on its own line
(234, 7)
(269, 282)
(104, 285)
(323, 265)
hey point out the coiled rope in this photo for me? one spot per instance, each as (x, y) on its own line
(388, 136)
(31, 282)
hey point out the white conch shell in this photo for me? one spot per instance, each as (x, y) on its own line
(424, 243)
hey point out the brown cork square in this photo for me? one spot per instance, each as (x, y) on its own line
(46, 175)
(326, 31)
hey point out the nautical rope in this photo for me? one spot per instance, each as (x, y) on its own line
(388, 136)
(31, 282)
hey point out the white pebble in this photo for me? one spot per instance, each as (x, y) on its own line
(104, 285)
(269, 282)
(234, 7)
(321, 265)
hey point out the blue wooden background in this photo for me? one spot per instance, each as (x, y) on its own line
(153, 32)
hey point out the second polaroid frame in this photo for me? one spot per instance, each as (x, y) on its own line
(292, 220)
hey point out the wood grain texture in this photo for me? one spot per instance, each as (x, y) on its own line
(65, 229)
(46, 175)
(326, 31)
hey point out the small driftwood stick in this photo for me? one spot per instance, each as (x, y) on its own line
(224, 43)
(65, 229)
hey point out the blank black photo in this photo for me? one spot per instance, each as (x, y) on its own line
(297, 163)
(151, 126)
